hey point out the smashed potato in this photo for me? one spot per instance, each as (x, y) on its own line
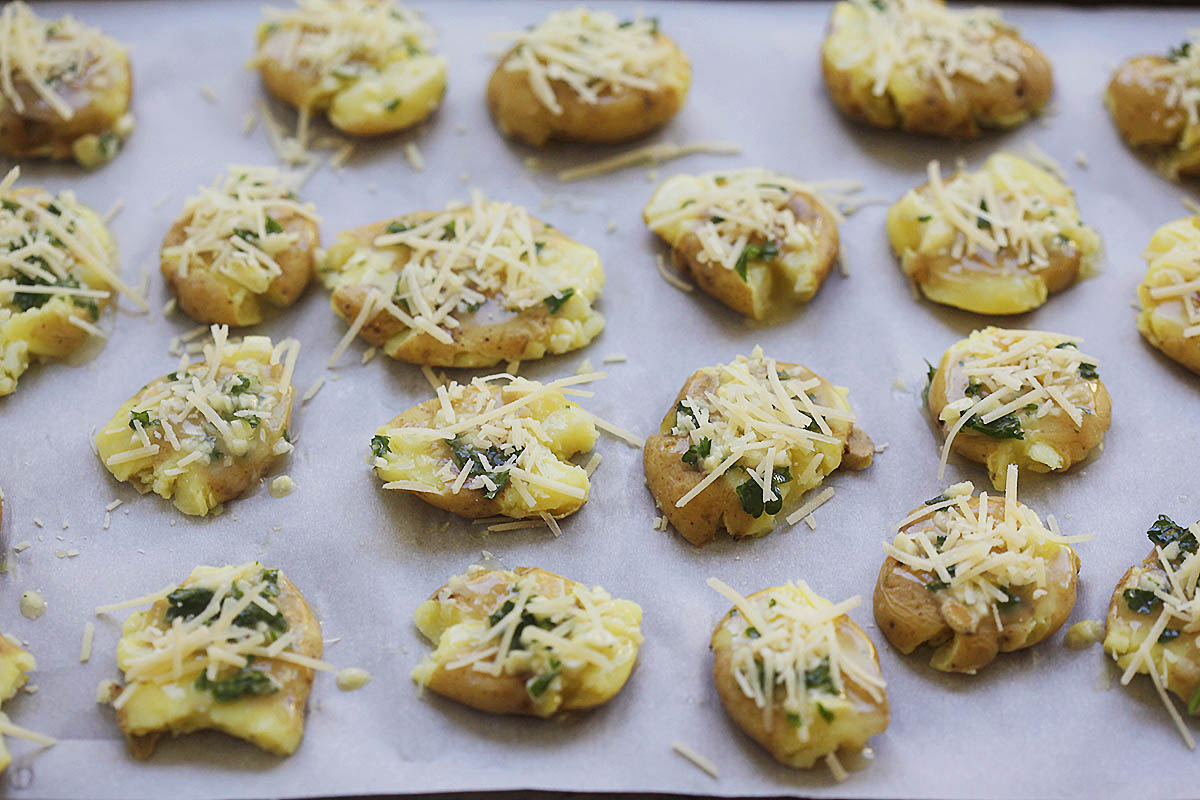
(1028, 398)
(484, 449)
(240, 245)
(1170, 293)
(744, 441)
(1153, 624)
(997, 241)
(923, 68)
(584, 76)
(757, 241)
(224, 668)
(64, 91)
(471, 286)
(364, 63)
(58, 277)
(526, 641)
(1153, 102)
(784, 683)
(207, 432)
(15, 666)
(972, 580)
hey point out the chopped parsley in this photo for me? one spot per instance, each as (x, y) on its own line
(1178, 54)
(751, 496)
(526, 620)
(1088, 372)
(794, 719)
(243, 384)
(1011, 601)
(245, 681)
(697, 452)
(396, 226)
(463, 453)
(825, 713)
(28, 300)
(142, 417)
(381, 445)
(936, 586)
(393, 104)
(688, 412)
(1065, 345)
(448, 232)
(187, 602)
(924, 218)
(1005, 427)
(819, 678)
(755, 251)
(1142, 601)
(1168, 635)
(935, 500)
(1164, 532)
(752, 632)
(555, 301)
(980, 222)
(538, 685)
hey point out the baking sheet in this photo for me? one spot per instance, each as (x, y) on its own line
(1042, 722)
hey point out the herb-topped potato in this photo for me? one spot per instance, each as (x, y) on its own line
(64, 89)
(921, 67)
(974, 579)
(1170, 293)
(230, 649)
(743, 441)
(206, 432)
(471, 286)
(488, 448)
(15, 666)
(364, 63)
(585, 76)
(1155, 103)
(1028, 398)
(1153, 625)
(58, 275)
(241, 244)
(797, 675)
(756, 240)
(997, 241)
(526, 641)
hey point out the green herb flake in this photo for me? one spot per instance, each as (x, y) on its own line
(1142, 601)
(752, 632)
(1088, 372)
(538, 685)
(819, 678)
(1178, 54)
(141, 417)
(1005, 427)
(755, 251)
(825, 713)
(936, 586)
(555, 301)
(1168, 635)
(697, 452)
(924, 218)
(794, 719)
(245, 682)
(393, 104)
(396, 226)
(381, 445)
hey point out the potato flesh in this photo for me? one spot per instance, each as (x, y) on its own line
(911, 615)
(1125, 632)
(1052, 443)
(368, 98)
(568, 431)
(274, 722)
(991, 283)
(791, 278)
(718, 506)
(856, 714)
(491, 335)
(205, 483)
(15, 666)
(458, 612)
(916, 102)
(1162, 322)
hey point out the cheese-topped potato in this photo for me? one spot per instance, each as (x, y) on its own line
(1028, 398)
(526, 641)
(366, 64)
(997, 241)
(1155, 103)
(241, 246)
(743, 441)
(1170, 293)
(207, 432)
(585, 76)
(230, 649)
(57, 275)
(974, 577)
(15, 666)
(756, 240)
(64, 89)
(797, 675)
(923, 68)
(1153, 622)
(488, 448)
(471, 286)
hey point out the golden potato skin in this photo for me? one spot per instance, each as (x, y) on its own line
(918, 104)
(209, 297)
(717, 507)
(618, 116)
(1071, 444)
(99, 96)
(1162, 322)
(273, 722)
(767, 289)
(486, 337)
(1138, 101)
(482, 593)
(910, 615)
(848, 732)
(1125, 631)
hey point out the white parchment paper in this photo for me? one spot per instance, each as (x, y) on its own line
(1043, 722)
